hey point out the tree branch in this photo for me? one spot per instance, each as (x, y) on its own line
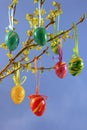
(29, 44)
(21, 65)
(80, 21)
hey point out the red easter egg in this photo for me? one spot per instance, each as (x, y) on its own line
(37, 104)
(61, 69)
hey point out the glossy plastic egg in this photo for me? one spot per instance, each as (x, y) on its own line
(37, 104)
(40, 36)
(76, 65)
(17, 94)
(61, 69)
(12, 40)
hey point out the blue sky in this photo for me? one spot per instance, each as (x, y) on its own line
(67, 98)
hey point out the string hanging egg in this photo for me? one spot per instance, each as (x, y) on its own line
(12, 40)
(40, 33)
(76, 63)
(17, 94)
(37, 104)
(11, 37)
(37, 101)
(60, 67)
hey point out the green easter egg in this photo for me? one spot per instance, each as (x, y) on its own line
(40, 36)
(76, 65)
(12, 40)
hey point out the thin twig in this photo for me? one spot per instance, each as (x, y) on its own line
(29, 45)
(24, 65)
(50, 23)
(80, 21)
(14, 58)
(42, 2)
(14, 10)
(43, 68)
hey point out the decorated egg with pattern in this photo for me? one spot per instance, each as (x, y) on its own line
(17, 94)
(12, 40)
(76, 65)
(61, 69)
(37, 104)
(40, 36)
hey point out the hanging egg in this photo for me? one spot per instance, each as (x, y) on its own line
(61, 69)
(54, 46)
(40, 36)
(17, 94)
(12, 40)
(37, 104)
(76, 65)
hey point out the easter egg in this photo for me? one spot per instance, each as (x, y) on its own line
(61, 69)
(17, 94)
(12, 40)
(54, 46)
(40, 36)
(76, 65)
(37, 104)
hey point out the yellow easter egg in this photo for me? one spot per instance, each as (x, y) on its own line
(17, 94)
